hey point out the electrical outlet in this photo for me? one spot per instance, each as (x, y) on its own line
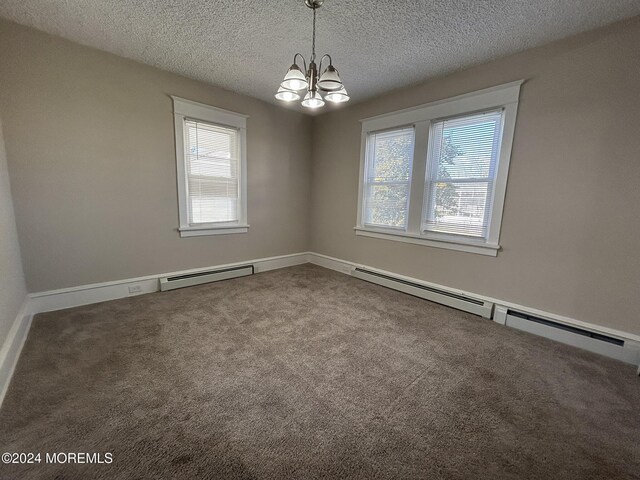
(135, 289)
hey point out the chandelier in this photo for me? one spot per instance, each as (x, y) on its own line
(306, 79)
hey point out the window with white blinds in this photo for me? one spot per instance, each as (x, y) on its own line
(388, 177)
(212, 164)
(211, 169)
(436, 174)
(461, 171)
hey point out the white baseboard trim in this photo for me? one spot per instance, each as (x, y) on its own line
(331, 263)
(630, 353)
(101, 292)
(10, 351)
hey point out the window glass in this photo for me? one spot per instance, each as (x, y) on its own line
(388, 177)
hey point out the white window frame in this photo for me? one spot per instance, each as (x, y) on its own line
(184, 109)
(503, 97)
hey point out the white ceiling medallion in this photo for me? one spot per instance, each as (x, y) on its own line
(307, 79)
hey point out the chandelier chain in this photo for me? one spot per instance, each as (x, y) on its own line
(313, 40)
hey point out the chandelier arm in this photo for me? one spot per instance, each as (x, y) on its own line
(321, 59)
(304, 62)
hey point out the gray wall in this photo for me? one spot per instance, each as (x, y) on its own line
(571, 227)
(90, 142)
(12, 289)
(89, 139)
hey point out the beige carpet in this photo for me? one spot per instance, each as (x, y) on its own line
(308, 373)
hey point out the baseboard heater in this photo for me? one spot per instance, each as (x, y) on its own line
(198, 278)
(438, 295)
(571, 335)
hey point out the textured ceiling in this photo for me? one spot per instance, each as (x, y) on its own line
(378, 45)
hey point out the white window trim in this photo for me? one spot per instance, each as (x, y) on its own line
(188, 109)
(502, 96)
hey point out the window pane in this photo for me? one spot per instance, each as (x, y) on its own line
(387, 205)
(212, 172)
(460, 208)
(388, 175)
(205, 208)
(463, 158)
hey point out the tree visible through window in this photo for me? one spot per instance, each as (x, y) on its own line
(388, 178)
(446, 192)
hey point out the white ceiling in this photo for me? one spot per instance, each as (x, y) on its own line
(377, 45)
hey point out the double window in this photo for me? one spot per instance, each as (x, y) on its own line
(436, 175)
(211, 166)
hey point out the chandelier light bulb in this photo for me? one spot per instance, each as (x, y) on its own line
(294, 79)
(339, 96)
(287, 95)
(313, 100)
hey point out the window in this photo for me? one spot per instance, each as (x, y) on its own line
(389, 161)
(212, 172)
(211, 166)
(436, 175)
(461, 168)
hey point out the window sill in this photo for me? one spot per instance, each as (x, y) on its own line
(452, 244)
(212, 230)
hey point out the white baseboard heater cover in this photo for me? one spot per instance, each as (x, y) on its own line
(435, 294)
(575, 336)
(198, 278)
